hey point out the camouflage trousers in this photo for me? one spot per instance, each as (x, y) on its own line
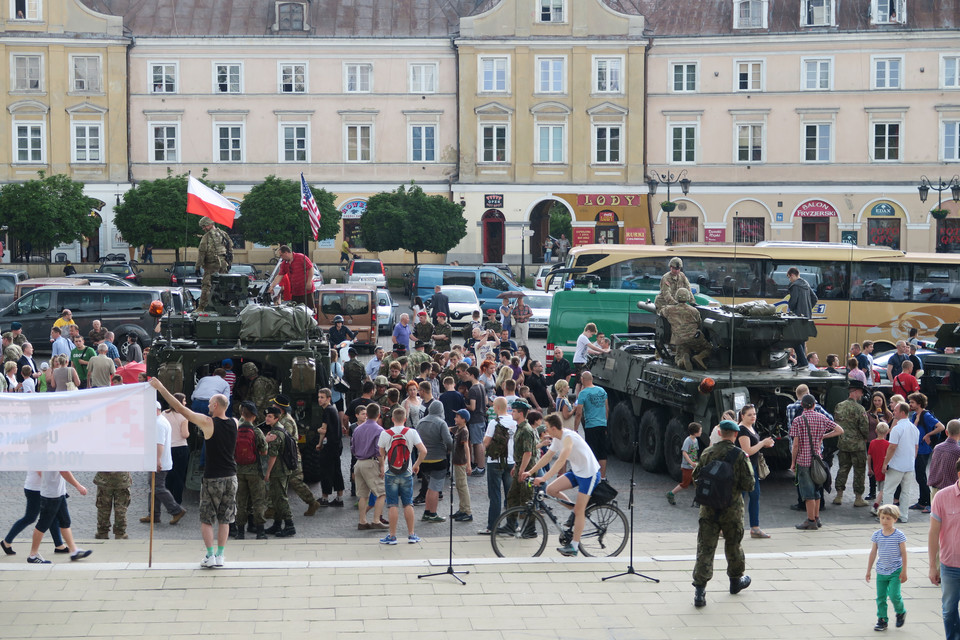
(116, 499)
(295, 482)
(251, 497)
(697, 347)
(730, 522)
(278, 498)
(209, 268)
(858, 461)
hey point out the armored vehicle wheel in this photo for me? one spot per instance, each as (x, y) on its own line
(622, 431)
(673, 439)
(652, 425)
(310, 459)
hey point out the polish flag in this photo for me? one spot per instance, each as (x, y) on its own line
(204, 201)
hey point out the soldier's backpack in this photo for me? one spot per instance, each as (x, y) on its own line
(398, 455)
(499, 442)
(289, 452)
(715, 483)
(246, 451)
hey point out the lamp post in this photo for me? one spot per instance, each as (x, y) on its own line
(655, 179)
(940, 187)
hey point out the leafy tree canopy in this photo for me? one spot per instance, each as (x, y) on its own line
(560, 221)
(409, 219)
(155, 212)
(49, 211)
(271, 213)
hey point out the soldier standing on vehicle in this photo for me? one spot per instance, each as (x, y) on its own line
(685, 323)
(851, 415)
(670, 283)
(214, 255)
(729, 520)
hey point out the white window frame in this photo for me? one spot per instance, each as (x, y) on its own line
(481, 86)
(217, 126)
(42, 124)
(506, 142)
(686, 64)
(875, 62)
(831, 13)
(596, 138)
(303, 9)
(736, 141)
(428, 81)
(736, 74)
(74, 138)
(873, 139)
(621, 64)
(98, 80)
(229, 68)
(281, 142)
(952, 82)
(831, 143)
(554, 7)
(818, 61)
(33, 11)
(758, 22)
(151, 139)
(175, 65)
(292, 65)
(41, 80)
(356, 69)
(539, 128)
(410, 145)
(671, 127)
(952, 122)
(898, 6)
(346, 142)
(551, 73)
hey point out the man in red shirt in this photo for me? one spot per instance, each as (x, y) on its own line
(298, 268)
(905, 382)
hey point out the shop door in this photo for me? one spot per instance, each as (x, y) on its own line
(493, 240)
(815, 230)
(608, 235)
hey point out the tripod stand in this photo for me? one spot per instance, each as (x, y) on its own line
(449, 570)
(633, 475)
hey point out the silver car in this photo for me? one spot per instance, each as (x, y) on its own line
(386, 311)
(540, 304)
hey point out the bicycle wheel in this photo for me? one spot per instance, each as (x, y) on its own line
(519, 532)
(605, 531)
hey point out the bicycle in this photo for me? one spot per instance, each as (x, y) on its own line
(522, 531)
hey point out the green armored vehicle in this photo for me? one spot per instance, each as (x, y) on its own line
(284, 343)
(652, 400)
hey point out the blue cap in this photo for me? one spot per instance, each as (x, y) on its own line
(227, 362)
(463, 413)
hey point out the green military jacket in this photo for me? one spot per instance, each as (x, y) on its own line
(423, 331)
(443, 330)
(216, 247)
(275, 449)
(851, 415)
(742, 478)
(684, 322)
(261, 391)
(354, 374)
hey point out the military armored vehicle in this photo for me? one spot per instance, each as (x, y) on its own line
(940, 381)
(652, 400)
(284, 342)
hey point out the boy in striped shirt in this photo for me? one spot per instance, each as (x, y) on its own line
(890, 553)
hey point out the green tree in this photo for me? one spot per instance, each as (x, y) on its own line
(271, 213)
(155, 212)
(559, 221)
(409, 219)
(47, 212)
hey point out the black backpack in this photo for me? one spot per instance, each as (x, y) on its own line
(715, 482)
(289, 453)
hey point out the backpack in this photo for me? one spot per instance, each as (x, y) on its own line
(715, 484)
(289, 452)
(499, 443)
(246, 451)
(398, 455)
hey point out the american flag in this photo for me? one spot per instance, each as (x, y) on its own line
(310, 206)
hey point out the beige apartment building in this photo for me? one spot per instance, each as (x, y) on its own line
(551, 114)
(64, 79)
(805, 120)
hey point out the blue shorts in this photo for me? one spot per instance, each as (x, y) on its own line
(584, 485)
(399, 488)
(476, 430)
(808, 490)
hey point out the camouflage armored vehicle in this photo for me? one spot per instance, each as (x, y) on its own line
(652, 400)
(284, 342)
(940, 381)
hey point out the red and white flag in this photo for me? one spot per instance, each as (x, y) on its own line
(204, 201)
(309, 204)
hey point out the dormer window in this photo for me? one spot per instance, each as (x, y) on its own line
(291, 16)
(750, 14)
(25, 10)
(551, 10)
(889, 11)
(817, 13)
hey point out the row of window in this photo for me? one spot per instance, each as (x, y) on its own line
(753, 14)
(27, 73)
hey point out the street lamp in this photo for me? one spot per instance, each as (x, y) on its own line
(656, 178)
(940, 187)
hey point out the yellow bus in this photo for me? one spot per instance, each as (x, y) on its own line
(866, 293)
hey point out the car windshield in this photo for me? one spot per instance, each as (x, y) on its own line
(461, 296)
(367, 267)
(245, 269)
(120, 269)
(539, 302)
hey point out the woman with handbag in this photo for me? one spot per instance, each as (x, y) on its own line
(750, 442)
(877, 412)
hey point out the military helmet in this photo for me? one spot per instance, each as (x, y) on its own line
(685, 296)
(337, 319)
(249, 369)
(204, 221)
(676, 262)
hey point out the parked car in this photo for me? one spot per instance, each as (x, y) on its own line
(540, 280)
(540, 304)
(386, 311)
(880, 364)
(486, 282)
(357, 303)
(246, 269)
(183, 274)
(107, 279)
(8, 283)
(463, 302)
(126, 270)
(366, 272)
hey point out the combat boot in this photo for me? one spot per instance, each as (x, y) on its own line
(312, 509)
(839, 498)
(251, 526)
(240, 534)
(288, 530)
(261, 534)
(234, 529)
(274, 528)
(739, 584)
(685, 362)
(859, 502)
(699, 596)
(701, 362)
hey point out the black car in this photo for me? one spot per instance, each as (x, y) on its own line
(184, 274)
(126, 270)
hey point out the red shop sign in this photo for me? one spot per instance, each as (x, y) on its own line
(815, 209)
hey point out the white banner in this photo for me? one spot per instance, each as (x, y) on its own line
(108, 429)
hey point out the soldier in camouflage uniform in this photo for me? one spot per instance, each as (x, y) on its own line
(685, 331)
(277, 476)
(16, 332)
(729, 520)
(11, 352)
(214, 255)
(442, 333)
(354, 375)
(380, 397)
(113, 493)
(295, 479)
(851, 415)
(423, 329)
(260, 389)
(525, 442)
(492, 324)
(417, 357)
(251, 490)
(672, 282)
(399, 351)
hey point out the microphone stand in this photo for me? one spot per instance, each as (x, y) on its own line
(449, 570)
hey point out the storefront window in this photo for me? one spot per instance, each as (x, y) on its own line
(816, 230)
(748, 230)
(884, 232)
(948, 235)
(683, 230)
(608, 235)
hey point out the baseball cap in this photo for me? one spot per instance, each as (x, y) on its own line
(808, 401)
(729, 425)
(227, 362)
(463, 413)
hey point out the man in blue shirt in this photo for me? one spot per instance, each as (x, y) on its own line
(373, 367)
(402, 331)
(928, 426)
(592, 411)
(59, 344)
(112, 352)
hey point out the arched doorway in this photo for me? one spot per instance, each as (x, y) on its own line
(493, 235)
(548, 218)
(608, 228)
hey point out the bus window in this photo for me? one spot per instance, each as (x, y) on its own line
(723, 277)
(829, 280)
(880, 281)
(936, 283)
